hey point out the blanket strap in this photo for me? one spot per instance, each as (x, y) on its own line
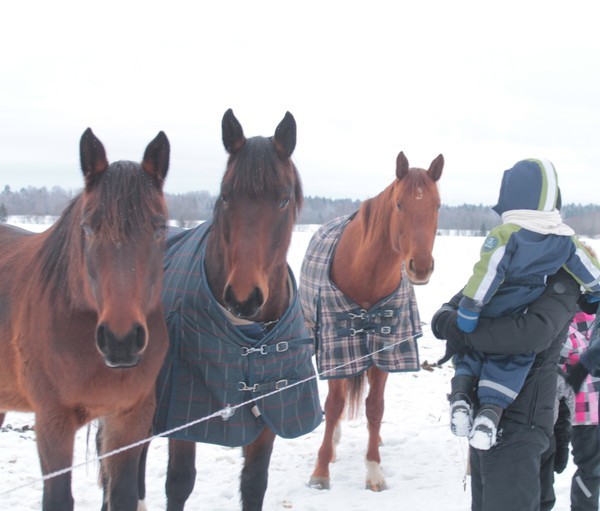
(266, 349)
(358, 321)
(242, 386)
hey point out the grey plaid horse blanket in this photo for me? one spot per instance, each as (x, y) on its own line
(212, 365)
(347, 338)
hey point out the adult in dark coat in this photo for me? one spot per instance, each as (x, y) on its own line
(507, 477)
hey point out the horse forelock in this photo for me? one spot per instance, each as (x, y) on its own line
(123, 200)
(256, 171)
(416, 183)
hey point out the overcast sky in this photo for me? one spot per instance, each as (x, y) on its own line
(485, 84)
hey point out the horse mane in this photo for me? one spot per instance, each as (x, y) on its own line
(374, 214)
(256, 172)
(123, 198)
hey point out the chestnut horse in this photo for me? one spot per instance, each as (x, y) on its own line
(235, 323)
(359, 282)
(82, 332)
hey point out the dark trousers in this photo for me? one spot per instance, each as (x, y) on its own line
(507, 477)
(548, 497)
(585, 486)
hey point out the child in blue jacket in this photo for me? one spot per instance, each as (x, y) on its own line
(516, 257)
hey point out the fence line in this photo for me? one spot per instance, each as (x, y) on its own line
(224, 413)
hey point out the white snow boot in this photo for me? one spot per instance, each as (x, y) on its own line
(461, 417)
(485, 428)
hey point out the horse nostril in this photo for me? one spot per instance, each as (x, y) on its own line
(140, 337)
(257, 297)
(101, 339)
(228, 297)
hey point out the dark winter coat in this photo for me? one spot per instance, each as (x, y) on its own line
(543, 330)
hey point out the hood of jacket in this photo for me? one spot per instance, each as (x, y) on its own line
(530, 184)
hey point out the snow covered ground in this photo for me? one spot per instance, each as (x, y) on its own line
(423, 463)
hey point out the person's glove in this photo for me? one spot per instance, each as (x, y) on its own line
(443, 326)
(576, 376)
(442, 321)
(467, 320)
(562, 435)
(561, 458)
(588, 303)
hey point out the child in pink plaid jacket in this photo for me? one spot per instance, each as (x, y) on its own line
(585, 437)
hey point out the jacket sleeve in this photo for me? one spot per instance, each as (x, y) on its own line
(584, 267)
(533, 330)
(490, 270)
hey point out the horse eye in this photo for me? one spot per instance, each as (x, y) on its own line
(284, 203)
(160, 232)
(87, 230)
(398, 206)
(224, 200)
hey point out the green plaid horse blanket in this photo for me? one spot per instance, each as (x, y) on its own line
(348, 339)
(212, 365)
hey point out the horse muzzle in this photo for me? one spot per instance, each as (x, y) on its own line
(121, 351)
(246, 309)
(418, 276)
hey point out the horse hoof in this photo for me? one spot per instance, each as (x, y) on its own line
(319, 483)
(376, 486)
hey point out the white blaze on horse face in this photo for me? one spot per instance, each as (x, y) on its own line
(419, 194)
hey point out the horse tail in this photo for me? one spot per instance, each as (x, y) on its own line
(356, 387)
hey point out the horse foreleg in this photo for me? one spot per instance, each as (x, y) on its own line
(255, 473)
(121, 471)
(374, 410)
(181, 473)
(142, 475)
(334, 407)
(55, 436)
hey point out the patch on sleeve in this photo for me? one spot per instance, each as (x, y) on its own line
(490, 243)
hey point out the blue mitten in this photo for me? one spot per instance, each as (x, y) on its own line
(467, 320)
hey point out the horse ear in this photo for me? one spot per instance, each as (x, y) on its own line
(233, 134)
(93, 157)
(436, 167)
(285, 136)
(401, 165)
(156, 159)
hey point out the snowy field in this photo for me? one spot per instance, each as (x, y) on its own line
(423, 463)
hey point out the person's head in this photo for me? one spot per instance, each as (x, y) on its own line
(529, 184)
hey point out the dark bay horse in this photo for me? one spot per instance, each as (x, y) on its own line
(235, 324)
(82, 332)
(357, 301)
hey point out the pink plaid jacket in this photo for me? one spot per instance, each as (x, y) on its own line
(578, 340)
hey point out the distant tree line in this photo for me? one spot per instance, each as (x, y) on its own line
(186, 208)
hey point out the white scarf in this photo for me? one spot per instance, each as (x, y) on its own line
(543, 222)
